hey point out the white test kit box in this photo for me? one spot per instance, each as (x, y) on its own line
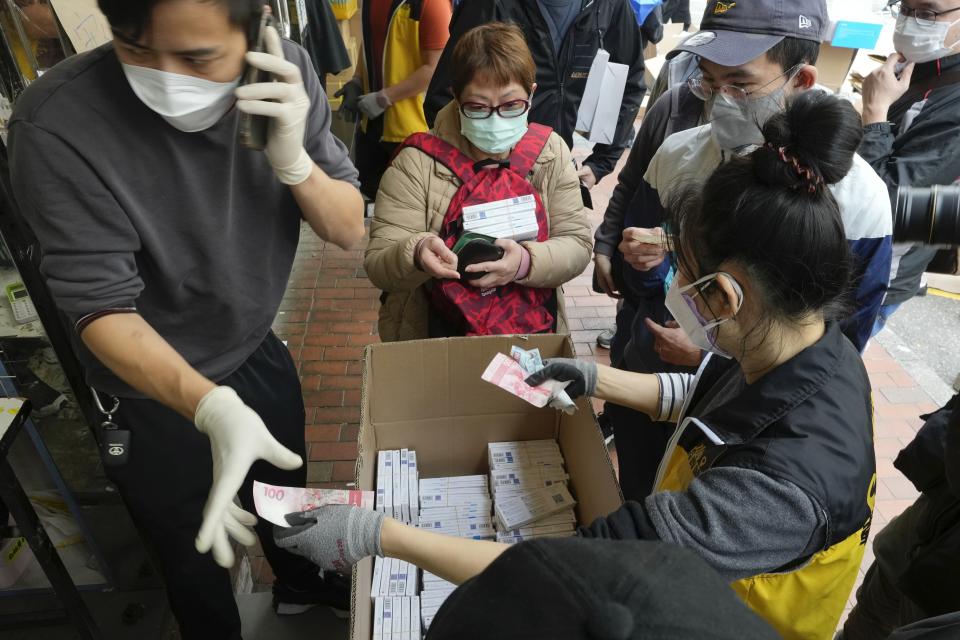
(514, 513)
(405, 618)
(472, 528)
(445, 499)
(378, 618)
(514, 218)
(378, 563)
(455, 482)
(527, 475)
(388, 483)
(460, 513)
(413, 474)
(385, 577)
(412, 571)
(404, 488)
(397, 618)
(388, 617)
(397, 513)
(415, 633)
(381, 481)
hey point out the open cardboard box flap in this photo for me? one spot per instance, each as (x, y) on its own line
(427, 395)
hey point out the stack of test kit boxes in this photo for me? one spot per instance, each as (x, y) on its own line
(513, 218)
(531, 498)
(395, 584)
(396, 607)
(455, 506)
(426, 395)
(397, 481)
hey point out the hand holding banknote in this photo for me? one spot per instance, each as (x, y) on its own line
(581, 375)
(334, 537)
(273, 502)
(507, 374)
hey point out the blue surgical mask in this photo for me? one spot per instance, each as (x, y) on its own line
(495, 134)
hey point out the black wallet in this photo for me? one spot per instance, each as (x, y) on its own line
(474, 251)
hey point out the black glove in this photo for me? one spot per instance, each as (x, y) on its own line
(350, 93)
(582, 376)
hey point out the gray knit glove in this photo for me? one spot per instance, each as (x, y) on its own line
(581, 375)
(334, 537)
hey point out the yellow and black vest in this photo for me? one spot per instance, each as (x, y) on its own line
(810, 422)
(401, 57)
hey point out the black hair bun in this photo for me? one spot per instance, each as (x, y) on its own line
(817, 132)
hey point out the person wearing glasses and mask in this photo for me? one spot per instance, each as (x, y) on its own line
(911, 119)
(493, 83)
(752, 59)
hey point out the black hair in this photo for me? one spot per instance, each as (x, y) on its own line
(131, 17)
(772, 214)
(792, 52)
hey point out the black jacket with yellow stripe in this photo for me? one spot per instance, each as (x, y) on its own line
(809, 422)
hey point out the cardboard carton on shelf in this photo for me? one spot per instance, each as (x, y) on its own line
(427, 396)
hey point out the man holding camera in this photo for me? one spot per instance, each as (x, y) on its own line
(911, 118)
(168, 246)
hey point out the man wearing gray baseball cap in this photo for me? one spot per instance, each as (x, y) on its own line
(753, 56)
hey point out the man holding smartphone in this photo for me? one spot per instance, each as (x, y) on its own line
(169, 245)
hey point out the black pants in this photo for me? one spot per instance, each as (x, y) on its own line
(881, 607)
(373, 156)
(641, 443)
(168, 475)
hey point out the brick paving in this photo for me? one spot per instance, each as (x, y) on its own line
(329, 314)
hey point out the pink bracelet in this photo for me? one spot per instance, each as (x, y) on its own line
(524, 269)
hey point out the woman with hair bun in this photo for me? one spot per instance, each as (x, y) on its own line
(770, 475)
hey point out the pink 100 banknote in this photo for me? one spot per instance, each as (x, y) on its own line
(273, 502)
(506, 373)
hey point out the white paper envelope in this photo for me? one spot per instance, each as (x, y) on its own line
(608, 109)
(591, 93)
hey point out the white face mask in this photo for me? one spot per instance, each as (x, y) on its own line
(922, 43)
(683, 308)
(737, 127)
(187, 103)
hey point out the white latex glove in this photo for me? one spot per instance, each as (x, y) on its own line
(238, 438)
(286, 103)
(373, 105)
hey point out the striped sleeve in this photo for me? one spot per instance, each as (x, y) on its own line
(674, 388)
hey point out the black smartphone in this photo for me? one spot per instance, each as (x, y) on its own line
(253, 129)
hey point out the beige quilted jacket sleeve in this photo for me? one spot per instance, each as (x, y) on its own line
(568, 251)
(399, 223)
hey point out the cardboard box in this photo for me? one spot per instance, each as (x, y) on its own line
(427, 395)
(833, 65)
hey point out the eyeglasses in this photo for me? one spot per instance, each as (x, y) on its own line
(923, 17)
(733, 94)
(477, 111)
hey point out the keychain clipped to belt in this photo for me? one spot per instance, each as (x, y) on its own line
(114, 441)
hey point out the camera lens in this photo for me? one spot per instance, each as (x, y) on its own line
(927, 215)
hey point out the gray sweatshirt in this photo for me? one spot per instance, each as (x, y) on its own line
(190, 230)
